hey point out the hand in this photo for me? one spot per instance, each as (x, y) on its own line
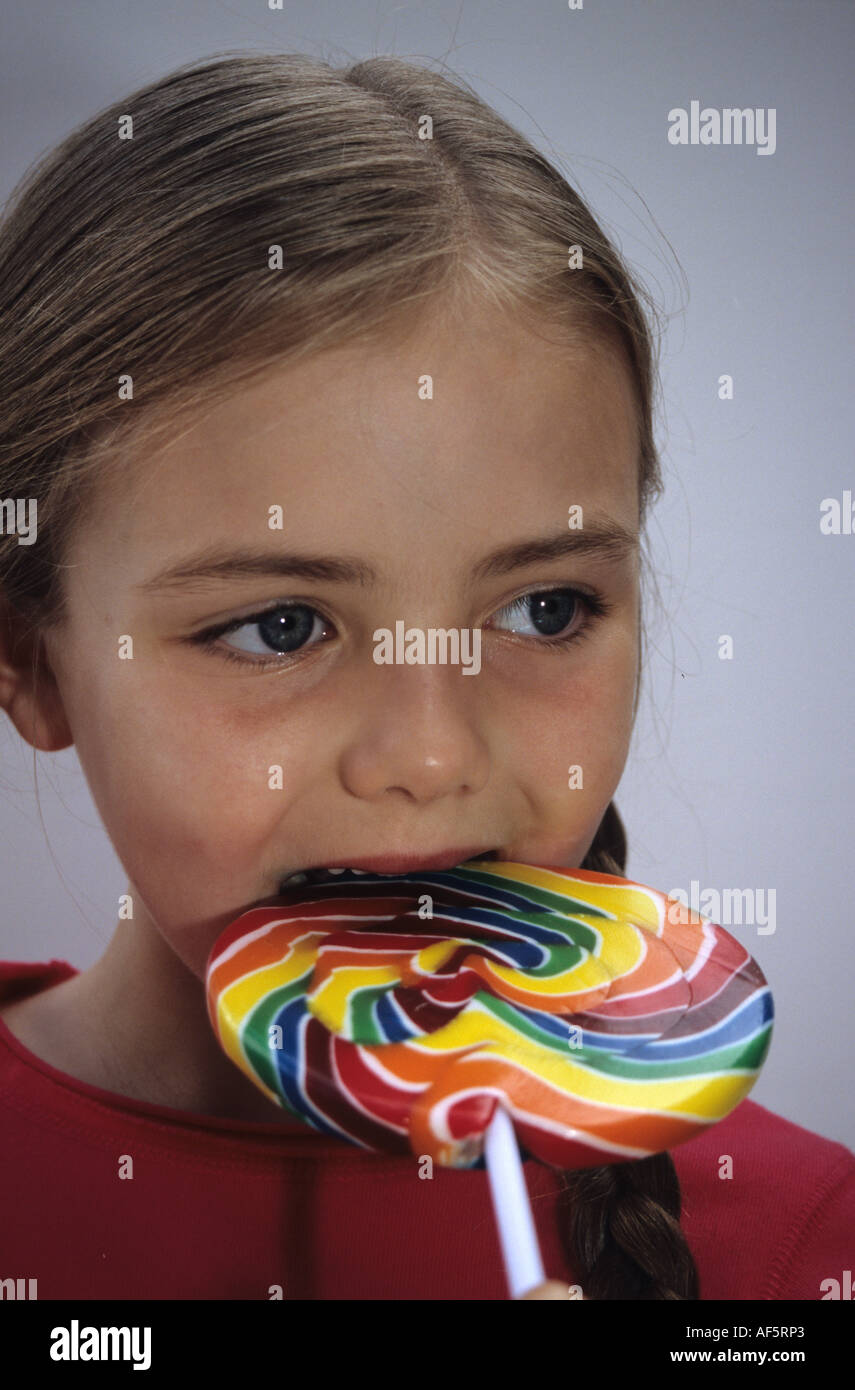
(552, 1289)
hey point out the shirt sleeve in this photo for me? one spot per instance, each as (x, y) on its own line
(817, 1261)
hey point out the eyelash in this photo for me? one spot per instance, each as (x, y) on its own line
(595, 605)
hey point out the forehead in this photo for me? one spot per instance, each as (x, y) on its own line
(449, 432)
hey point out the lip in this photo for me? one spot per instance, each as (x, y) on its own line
(405, 863)
(414, 863)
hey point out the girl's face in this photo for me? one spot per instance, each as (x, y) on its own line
(397, 506)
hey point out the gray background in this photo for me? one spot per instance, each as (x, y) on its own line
(742, 770)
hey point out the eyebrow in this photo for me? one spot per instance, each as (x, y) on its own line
(605, 539)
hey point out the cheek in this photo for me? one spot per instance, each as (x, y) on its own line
(579, 712)
(588, 738)
(177, 778)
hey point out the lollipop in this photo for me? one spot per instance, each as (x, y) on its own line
(442, 1013)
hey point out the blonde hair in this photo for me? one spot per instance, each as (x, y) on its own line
(149, 256)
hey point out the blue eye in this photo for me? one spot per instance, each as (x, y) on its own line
(283, 631)
(274, 636)
(553, 609)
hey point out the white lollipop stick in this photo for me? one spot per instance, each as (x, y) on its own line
(511, 1205)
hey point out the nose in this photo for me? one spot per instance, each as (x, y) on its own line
(418, 734)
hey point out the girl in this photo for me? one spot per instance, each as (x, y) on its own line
(291, 354)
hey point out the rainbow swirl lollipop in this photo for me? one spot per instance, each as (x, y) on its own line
(608, 1020)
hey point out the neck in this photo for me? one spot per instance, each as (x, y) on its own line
(135, 1023)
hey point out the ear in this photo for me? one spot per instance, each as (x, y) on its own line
(28, 690)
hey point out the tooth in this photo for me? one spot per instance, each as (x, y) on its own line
(334, 871)
(296, 878)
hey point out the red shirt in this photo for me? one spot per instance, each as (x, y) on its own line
(225, 1209)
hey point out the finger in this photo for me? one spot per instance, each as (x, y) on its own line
(552, 1289)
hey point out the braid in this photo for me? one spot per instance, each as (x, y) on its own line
(620, 1228)
(620, 1224)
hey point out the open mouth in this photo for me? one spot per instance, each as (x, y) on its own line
(325, 876)
(346, 873)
